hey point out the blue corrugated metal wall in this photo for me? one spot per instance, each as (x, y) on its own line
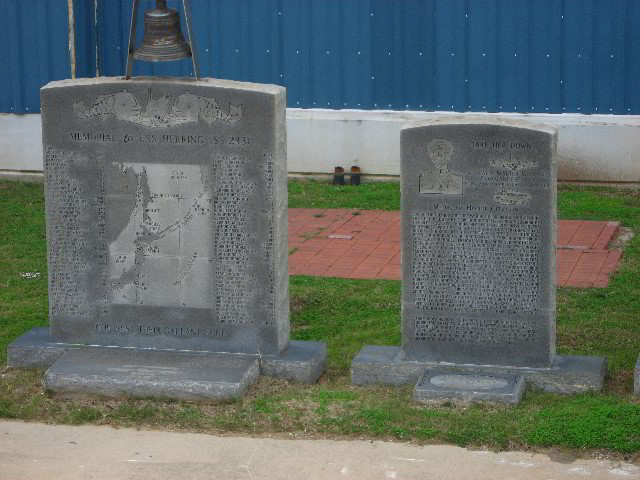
(34, 49)
(553, 56)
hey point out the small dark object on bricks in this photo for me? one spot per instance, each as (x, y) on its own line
(354, 179)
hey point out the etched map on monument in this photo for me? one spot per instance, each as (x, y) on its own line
(163, 254)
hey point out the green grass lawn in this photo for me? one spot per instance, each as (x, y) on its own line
(348, 314)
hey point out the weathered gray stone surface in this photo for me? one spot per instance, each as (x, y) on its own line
(391, 366)
(478, 226)
(478, 246)
(34, 349)
(166, 208)
(115, 372)
(302, 362)
(435, 386)
(166, 203)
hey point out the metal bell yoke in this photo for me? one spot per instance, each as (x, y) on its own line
(163, 40)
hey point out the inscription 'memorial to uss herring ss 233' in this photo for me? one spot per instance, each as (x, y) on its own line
(167, 217)
(478, 244)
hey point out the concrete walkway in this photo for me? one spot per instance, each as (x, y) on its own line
(35, 451)
(366, 244)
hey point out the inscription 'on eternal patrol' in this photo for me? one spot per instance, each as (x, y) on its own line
(478, 244)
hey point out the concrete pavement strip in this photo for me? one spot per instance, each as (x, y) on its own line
(37, 451)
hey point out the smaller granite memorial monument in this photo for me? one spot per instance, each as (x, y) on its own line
(166, 204)
(478, 252)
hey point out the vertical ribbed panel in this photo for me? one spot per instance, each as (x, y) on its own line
(35, 50)
(549, 56)
(631, 53)
(85, 37)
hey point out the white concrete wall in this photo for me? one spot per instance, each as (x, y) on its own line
(20, 142)
(596, 148)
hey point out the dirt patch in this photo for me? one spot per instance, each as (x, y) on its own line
(622, 237)
(621, 382)
(298, 303)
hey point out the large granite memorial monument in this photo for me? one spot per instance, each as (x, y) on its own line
(166, 205)
(478, 252)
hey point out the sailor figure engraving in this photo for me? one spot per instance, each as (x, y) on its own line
(441, 180)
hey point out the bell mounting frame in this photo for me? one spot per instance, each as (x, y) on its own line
(186, 7)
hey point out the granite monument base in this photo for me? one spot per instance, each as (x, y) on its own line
(436, 386)
(390, 366)
(189, 375)
(147, 373)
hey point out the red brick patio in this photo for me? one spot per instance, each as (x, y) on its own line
(366, 244)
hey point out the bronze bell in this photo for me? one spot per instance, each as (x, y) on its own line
(163, 40)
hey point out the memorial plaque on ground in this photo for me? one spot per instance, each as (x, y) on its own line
(478, 246)
(166, 205)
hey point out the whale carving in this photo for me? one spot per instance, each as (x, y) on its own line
(159, 112)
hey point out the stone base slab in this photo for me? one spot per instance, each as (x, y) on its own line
(390, 366)
(302, 361)
(35, 349)
(148, 373)
(436, 386)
